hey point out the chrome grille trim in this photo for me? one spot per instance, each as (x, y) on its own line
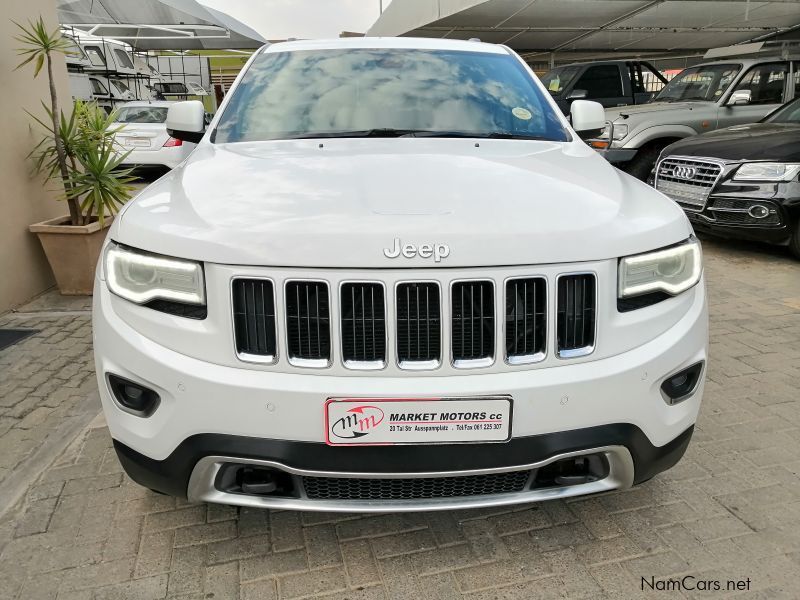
(432, 323)
(477, 327)
(576, 303)
(359, 328)
(259, 329)
(690, 194)
(329, 348)
(533, 296)
(299, 301)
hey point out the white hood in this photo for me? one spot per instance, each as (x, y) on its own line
(340, 202)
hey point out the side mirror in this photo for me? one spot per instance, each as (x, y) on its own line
(577, 95)
(740, 97)
(186, 121)
(588, 118)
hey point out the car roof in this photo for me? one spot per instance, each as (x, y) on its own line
(404, 43)
(600, 62)
(747, 62)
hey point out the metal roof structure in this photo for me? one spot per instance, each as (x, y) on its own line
(159, 24)
(570, 30)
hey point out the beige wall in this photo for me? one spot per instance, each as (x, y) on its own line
(23, 199)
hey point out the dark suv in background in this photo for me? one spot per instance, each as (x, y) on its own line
(740, 182)
(611, 83)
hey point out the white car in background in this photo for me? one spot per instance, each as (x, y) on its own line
(143, 134)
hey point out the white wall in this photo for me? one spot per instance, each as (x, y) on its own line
(23, 199)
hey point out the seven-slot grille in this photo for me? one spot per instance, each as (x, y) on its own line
(472, 322)
(363, 324)
(417, 321)
(419, 324)
(687, 181)
(526, 319)
(575, 321)
(308, 333)
(254, 319)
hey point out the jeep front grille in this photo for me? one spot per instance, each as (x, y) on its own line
(687, 181)
(308, 334)
(254, 319)
(575, 321)
(526, 320)
(472, 323)
(419, 325)
(363, 325)
(357, 324)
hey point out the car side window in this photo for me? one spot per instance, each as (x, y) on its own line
(601, 81)
(636, 76)
(765, 83)
(98, 88)
(96, 56)
(123, 58)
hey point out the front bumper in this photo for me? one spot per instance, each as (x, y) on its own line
(725, 212)
(210, 414)
(169, 157)
(618, 155)
(194, 467)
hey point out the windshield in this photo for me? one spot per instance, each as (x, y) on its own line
(363, 92)
(556, 80)
(142, 114)
(789, 113)
(699, 83)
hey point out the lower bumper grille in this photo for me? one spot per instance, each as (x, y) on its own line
(336, 488)
(744, 212)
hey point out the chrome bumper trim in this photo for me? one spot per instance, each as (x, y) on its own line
(202, 489)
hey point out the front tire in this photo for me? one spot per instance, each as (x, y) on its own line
(644, 161)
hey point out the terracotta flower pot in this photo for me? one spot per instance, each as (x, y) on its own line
(72, 251)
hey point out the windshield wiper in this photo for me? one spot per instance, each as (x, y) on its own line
(386, 132)
(500, 135)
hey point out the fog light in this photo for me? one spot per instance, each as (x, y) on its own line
(133, 397)
(758, 211)
(679, 386)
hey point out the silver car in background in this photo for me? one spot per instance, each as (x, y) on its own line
(699, 99)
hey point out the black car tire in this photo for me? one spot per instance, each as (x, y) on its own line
(794, 241)
(644, 161)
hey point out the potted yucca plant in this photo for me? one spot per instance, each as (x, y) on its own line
(79, 152)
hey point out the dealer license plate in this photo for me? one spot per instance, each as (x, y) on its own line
(137, 143)
(371, 421)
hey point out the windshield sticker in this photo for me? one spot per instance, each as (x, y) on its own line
(521, 113)
(555, 85)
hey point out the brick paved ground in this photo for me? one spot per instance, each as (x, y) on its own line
(729, 510)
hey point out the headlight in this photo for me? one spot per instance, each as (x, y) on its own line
(620, 131)
(767, 171)
(672, 270)
(141, 277)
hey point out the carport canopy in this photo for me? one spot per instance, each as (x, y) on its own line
(159, 24)
(583, 29)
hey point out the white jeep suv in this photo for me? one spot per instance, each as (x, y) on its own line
(393, 277)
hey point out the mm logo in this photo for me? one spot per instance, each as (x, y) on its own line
(357, 423)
